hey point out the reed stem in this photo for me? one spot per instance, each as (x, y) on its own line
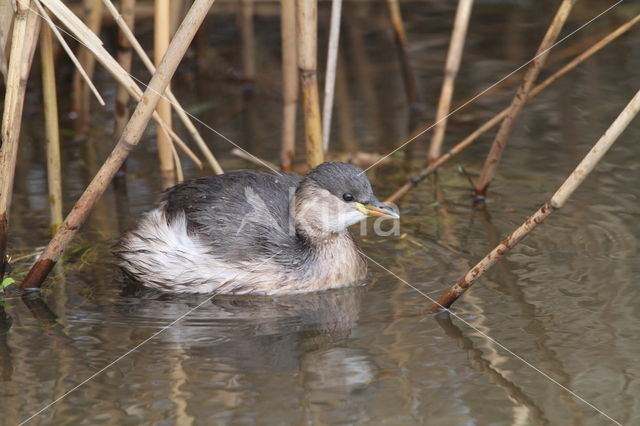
(161, 36)
(289, 83)
(400, 37)
(248, 47)
(124, 57)
(80, 95)
(129, 139)
(469, 140)
(556, 202)
(23, 42)
(307, 21)
(500, 141)
(454, 57)
(330, 75)
(52, 132)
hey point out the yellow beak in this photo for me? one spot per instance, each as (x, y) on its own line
(380, 210)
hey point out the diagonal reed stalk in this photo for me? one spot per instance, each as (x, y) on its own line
(456, 46)
(82, 33)
(182, 115)
(52, 132)
(556, 202)
(330, 75)
(469, 140)
(289, 83)
(23, 44)
(307, 23)
(129, 139)
(500, 141)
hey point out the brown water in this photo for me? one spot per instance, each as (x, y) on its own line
(565, 301)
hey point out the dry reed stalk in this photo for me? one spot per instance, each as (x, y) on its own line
(177, 13)
(400, 37)
(454, 57)
(248, 46)
(69, 52)
(23, 42)
(6, 17)
(500, 141)
(80, 96)
(124, 57)
(556, 202)
(182, 115)
(253, 159)
(161, 36)
(289, 83)
(330, 75)
(83, 34)
(52, 132)
(306, 25)
(129, 139)
(500, 116)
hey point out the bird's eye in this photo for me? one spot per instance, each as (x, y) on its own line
(347, 197)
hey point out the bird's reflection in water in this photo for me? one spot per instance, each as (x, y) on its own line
(255, 334)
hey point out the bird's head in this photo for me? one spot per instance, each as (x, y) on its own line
(334, 196)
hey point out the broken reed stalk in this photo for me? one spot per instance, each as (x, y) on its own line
(306, 26)
(500, 141)
(556, 202)
(52, 132)
(414, 180)
(454, 57)
(80, 96)
(124, 58)
(330, 75)
(23, 43)
(182, 114)
(161, 36)
(400, 37)
(289, 83)
(248, 47)
(129, 139)
(84, 35)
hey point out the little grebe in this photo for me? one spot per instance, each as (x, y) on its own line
(248, 232)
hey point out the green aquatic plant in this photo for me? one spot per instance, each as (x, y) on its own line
(6, 283)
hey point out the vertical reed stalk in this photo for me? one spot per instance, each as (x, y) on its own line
(400, 37)
(556, 202)
(6, 16)
(500, 141)
(52, 133)
(125, 55)
(306, 22)
(129, 139)
(461, 22)
(184, 118)
(248, 47)
(161, 36)
(177, 13)
(459, 147)
(23, 42)
(330, 76)
(81, 96)
(289, 83)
